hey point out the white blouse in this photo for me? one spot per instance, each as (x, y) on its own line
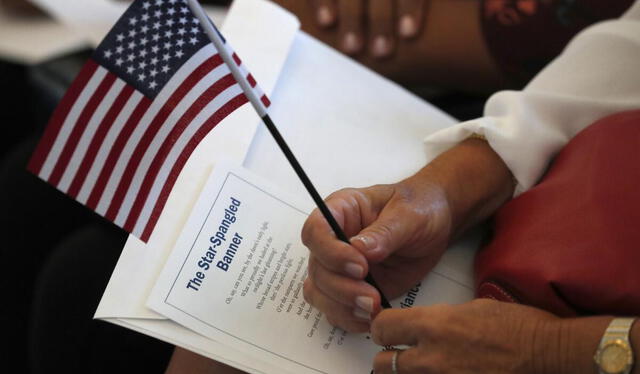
(597, 74)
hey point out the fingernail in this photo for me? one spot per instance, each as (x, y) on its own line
(360, 313)
(365, 302)
(354, 270)
(369, 243)
(351, 43)
(407, 26)
(381, 46)
(324, 16)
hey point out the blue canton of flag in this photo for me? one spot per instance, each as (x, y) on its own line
(150, 93)
(150, 42)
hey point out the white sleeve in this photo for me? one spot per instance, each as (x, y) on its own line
(596, 75)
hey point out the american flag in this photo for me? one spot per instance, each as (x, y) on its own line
(150, 93)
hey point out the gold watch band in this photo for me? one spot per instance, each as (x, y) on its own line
(615, 354)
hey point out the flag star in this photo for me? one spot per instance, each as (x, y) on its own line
(145, 17)
(133, 21)
(130, 69)
(156, 37)
(179, 53)
(130, 58)
(181, 31)
(141, 77)
(172, 1)
(179, 42)
(154, 61)
(166, 57)
(153, 73)
(168, 34)
(171, 11)
(146, 5)
(170, 22)
(144, 41)
(156, 25)
(119, 49)
(142, 65)
(155, 49)
(195, 20)
(132, 33)
(165, 69)
(144, 29)
(168, 45)
(158, 2)
(132, 45)
(158, 13)
(108, 53)
(184, 10)
(143, 53)
(119, 61)
(195, 30)
(153, 85)
(120, 37)
(193, 41)
(183, 20)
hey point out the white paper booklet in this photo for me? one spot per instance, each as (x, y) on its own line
(236, 275)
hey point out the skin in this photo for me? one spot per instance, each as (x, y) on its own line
(447, 48)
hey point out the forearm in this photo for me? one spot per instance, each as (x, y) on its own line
(568, 345)
(474, 178)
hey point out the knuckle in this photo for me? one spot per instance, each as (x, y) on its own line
(309, 229)
(307, 291)
(377, 331)
(415, 363)
(312, 270)
(435, 363)
(480, 302)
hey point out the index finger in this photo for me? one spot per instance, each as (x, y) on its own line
(332, 253)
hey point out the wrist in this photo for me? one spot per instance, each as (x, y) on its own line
(474, 179)
(568, 346)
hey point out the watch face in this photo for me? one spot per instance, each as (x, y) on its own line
(615, 357)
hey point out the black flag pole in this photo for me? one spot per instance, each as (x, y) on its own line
(260, 108)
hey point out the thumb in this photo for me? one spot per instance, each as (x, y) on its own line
(395, 226)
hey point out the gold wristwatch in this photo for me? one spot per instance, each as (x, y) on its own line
(615, 355)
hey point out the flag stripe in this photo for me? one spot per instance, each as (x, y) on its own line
(98, 139)
(150, 134)
(218, 116)
(59, 115)
(79, 152)
(209, 102)
(70, 121)
(236, 58)
(98, 191)
(126, 152)
(106, 146)
(163, 134)
(251, 80)
(78, 129)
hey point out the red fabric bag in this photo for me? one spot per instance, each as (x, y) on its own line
(571, 244)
